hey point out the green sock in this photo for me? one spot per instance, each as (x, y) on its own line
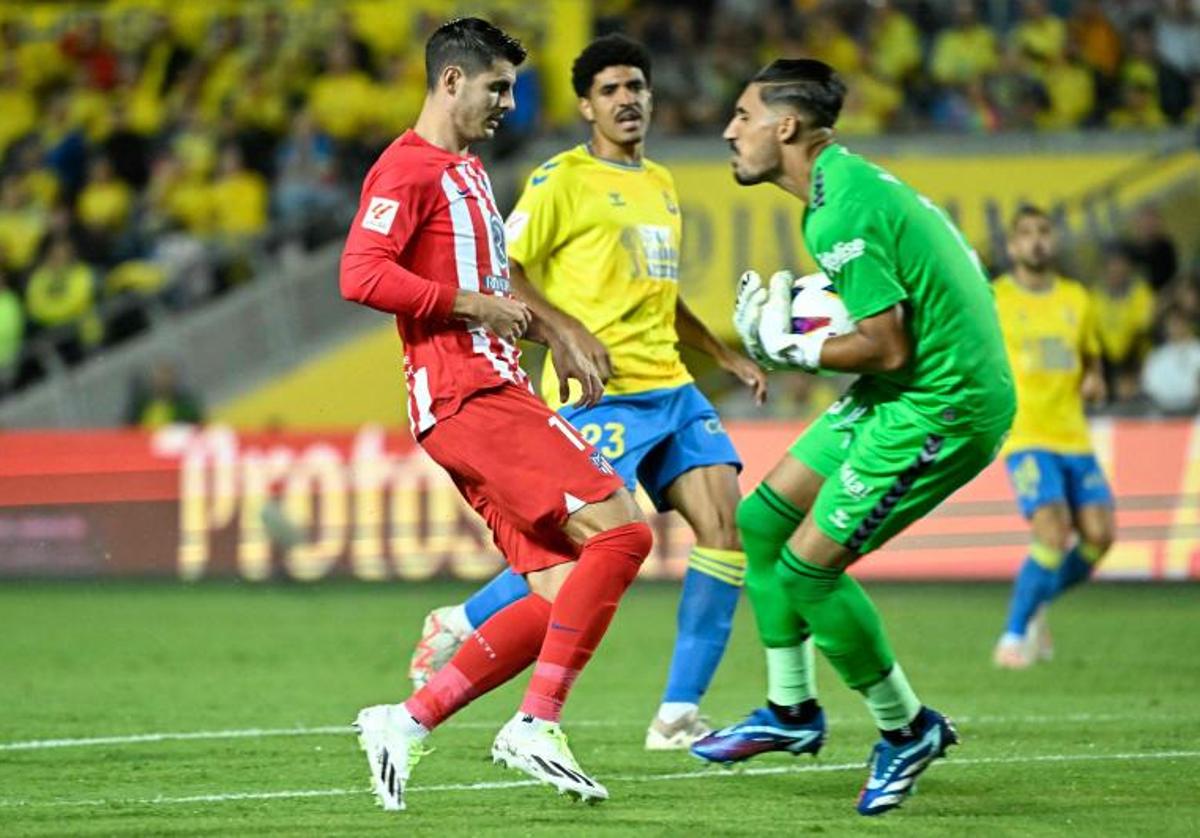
(791, 675)
(892, 702)
(844, 623)
(766, 521)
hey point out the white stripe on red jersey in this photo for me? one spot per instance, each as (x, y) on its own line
(446, 230)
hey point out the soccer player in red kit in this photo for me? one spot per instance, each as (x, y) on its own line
(427, 245)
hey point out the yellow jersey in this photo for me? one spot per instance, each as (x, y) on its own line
(1125, 321)
(1047, 335)
(601, 241)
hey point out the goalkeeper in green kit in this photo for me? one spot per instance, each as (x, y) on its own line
(929, 411)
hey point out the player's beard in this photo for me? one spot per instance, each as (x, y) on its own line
(746, 178)
(1036, 261)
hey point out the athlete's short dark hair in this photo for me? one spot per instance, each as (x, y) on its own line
(604, 52)
(805, 85)
(471, 43)
(1027, 211)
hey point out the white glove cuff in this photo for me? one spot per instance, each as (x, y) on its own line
(805, 351)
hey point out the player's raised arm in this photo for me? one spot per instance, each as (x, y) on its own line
(692, 332)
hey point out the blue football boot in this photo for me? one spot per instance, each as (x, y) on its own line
(894, 769)
(758, 733)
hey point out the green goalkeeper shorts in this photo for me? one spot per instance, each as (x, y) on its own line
(882, 471)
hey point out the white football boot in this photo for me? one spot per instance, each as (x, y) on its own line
(1013, 652)
(445, 629)
(679, 734)
(393, 748)
(539, 749)
(1040, 641)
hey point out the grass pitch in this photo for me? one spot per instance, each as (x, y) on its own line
(224, 707)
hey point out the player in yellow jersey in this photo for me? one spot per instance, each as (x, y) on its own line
(594, 246)
(1051, 335)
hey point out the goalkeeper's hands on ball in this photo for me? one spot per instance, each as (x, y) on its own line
(763, 319)
(747, 311)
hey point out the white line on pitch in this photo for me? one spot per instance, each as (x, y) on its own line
(345, 730)
(707, 774)
(245, 733)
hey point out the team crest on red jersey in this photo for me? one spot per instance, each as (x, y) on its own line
(602, 464)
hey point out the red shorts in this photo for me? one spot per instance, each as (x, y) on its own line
(524, 469)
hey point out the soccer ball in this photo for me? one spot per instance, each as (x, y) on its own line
(816, 305)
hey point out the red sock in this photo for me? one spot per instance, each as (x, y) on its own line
(495, 652)
(581, 613)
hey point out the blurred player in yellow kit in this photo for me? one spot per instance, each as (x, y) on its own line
(1051, 336)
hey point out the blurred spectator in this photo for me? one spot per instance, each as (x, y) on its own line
(1139, 101)
(128, 149)
(1177, 36)
(305, 187)
(965, 51)
(239, 198)
(66, 145)
(17, 103)
(1071, 89)
(1171, 377)
(1150, 89)
(1151, 248)
(22, 225)
(104, 205)
(342, 96)
(1184, 297)
(870, 105)
(179, 198)
(1039, 33)
(61, 296)
(86, 46)
(12, 330)
(1095, 37)
(826, 40)
(399, 96)
(159, 399)
(1125, 314)
(1015, 94)
(261, 105)
(893, 42)
(39, 182)
(345, 33)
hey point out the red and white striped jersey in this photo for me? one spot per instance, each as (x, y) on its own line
(427, 225)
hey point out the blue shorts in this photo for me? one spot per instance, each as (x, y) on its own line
(1042, 477)
(653, 437)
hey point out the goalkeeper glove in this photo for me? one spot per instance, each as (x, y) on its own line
(751, 295)
(775, 337)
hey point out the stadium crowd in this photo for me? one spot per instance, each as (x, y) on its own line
(154, 156)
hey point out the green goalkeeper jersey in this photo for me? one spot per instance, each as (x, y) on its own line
(882, 243)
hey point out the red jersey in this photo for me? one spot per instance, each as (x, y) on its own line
(427, 225)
